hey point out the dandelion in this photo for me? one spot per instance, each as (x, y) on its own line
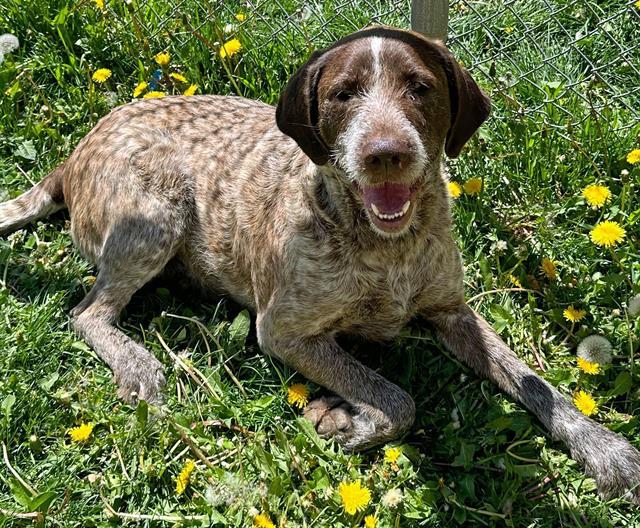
(354, 497)
(99, 4)
(153, 95)
(549, 269)
(81, 433)
(596, 195)
(178, 77)
(585, 403)
(241, 17)
(514, 280)
(634, 156)
(101, 75)
(607, 234)
(141, 87)
(392, 498)
(230, 48)
(370, 521)
(574, 315)
(637, 4)
(588, 367)
(8, 43)
(634, 306)
(596, 349)
(191, 90)
(454, 190)
(392, 454)
(298, 395)
(182, 480)
(263, 520)
(508, 30)
(163, 58)
(472, 186)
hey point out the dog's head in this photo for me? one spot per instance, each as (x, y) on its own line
(379, 106)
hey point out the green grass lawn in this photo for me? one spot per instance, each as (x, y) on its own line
(474, 457)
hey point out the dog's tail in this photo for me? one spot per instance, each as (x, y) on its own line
(42, 200)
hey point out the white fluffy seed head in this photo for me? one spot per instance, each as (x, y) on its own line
(392, 498)
(634, 306)
(8, 43)
(596, 349)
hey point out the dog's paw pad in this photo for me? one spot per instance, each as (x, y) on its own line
(331, 416)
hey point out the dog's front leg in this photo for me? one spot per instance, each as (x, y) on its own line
(608, 457)
(367, 409)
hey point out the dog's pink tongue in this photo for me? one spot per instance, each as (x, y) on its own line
(388, 197)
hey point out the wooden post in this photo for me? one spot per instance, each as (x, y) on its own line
(430, 17)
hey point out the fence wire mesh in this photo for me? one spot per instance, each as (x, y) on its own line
(552, 58)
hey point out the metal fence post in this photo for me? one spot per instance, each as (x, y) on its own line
(430, 17)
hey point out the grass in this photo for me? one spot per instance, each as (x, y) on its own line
(474, 457)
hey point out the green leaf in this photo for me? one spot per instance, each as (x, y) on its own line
(20, 494)
(142, 413)
(465, 458)
(47, 383)
(622, 384)
(239, 329)
(7, 404)
(42, 501)
(26, 150)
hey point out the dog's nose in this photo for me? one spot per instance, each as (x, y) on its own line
(386, 157)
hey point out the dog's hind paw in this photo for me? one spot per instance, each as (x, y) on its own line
(333, 417)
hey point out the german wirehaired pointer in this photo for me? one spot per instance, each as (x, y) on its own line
(328, 215)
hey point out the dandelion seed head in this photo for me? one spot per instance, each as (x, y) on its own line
(392, 498)
(8, 43)
(596, 349)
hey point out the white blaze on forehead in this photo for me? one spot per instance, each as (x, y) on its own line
(376, 48)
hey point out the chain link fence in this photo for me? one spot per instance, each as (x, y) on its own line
(552, 58)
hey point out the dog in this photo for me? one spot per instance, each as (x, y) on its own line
(326, 216)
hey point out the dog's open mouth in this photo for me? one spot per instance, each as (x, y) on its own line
(389, 205)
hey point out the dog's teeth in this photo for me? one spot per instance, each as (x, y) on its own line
(375, 210)
(406, 206)
(394, 216)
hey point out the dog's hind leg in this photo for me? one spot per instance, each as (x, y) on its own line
(133, 253)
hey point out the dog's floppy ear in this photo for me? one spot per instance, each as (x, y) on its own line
(470, 107)
(297, 112)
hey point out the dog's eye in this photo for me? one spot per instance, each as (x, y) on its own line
(417, 89)
(344, 95)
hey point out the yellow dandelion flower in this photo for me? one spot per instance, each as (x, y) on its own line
(637, 4)
(178, 77)
(585, 403)
(191, 90)
(508, 30)
(573, 315)
(163, 58)
(454, 190)
(514, 280)
(241, 17)
(634, 156)
(549, 268)
(141, 87)
(354, 497)
(81, 433)
(370, 521)
(392, 454)
(263, 521)
(472, 186)
(101, 75)
(298, 395)
(607, 234)
(99, 4)
(182, 480)
(588, 367)
(153, 95)
(596, 195)
(230, 48)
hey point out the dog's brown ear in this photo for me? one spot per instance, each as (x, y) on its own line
(297, 112)
(470, 107)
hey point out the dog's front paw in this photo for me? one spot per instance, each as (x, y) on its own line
(336, 418)
(615, 466)
(141, 378)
